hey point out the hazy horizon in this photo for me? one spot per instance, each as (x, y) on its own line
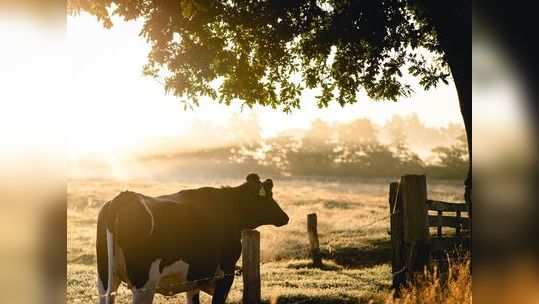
(239, 144)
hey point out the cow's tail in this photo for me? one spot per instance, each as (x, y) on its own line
(105, 253)
(125, 215)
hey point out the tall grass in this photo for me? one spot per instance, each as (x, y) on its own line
(455, 287)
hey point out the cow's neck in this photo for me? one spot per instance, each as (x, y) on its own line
(234, 217)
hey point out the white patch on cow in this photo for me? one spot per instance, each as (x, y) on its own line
(110, 253)
(154, 275)
(175, 273)
(179, 269)
(262, 192)
(149, 213)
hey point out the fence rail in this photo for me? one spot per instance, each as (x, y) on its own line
(458, 222)
(445, 206)
(449, 221)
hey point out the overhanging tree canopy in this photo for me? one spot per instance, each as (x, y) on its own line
(268, 52)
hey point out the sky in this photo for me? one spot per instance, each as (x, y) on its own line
(114, 109)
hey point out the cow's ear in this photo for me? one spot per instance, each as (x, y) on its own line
(268, 183)
(253, 178)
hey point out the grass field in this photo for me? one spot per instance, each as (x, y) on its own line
(351, 225)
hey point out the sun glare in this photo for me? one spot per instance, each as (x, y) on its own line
(102, 105)
(87, 89)
(32, 96)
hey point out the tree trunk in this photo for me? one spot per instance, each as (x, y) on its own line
(452, 22)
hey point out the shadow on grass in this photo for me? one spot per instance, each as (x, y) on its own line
(373, 253)
(310, 265)
(334, 204)
(84, 259)
(305, 299)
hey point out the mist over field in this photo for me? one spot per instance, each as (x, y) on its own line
(358, 148)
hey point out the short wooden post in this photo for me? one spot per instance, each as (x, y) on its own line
(395, 211)
(440, 223)
(416, 226)
(313, 240)
(250, 242)
(459, 223)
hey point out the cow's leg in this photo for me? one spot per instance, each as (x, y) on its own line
(144, 277)
(105, 296)
(222, 287)
(229, 256)
(143, 295)
(192, 296)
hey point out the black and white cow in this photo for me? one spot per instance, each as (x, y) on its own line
(175, 243)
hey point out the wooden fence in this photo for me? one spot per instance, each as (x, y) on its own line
(411, 239)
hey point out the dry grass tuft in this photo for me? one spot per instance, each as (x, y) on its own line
(430, 287)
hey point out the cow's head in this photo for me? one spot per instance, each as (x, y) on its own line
(258, 206)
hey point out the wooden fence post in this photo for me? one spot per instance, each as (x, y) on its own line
(313, 240)
(459, 223)
(395, 212)
(250, 243)
(416, 225)
(440, 223)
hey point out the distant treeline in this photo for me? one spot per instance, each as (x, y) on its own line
(355, 149)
